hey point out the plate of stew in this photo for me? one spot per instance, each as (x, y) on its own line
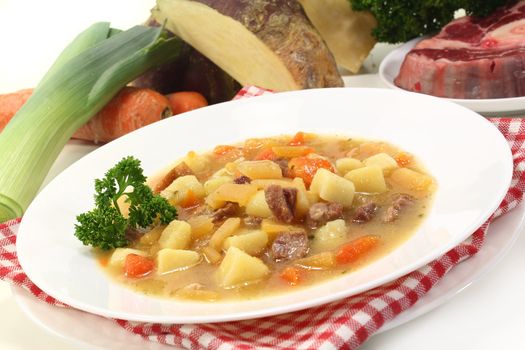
(283, 202)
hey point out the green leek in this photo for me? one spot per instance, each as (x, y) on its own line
(83, 80)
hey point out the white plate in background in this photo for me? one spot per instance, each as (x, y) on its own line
(505, 107)
(473, 174)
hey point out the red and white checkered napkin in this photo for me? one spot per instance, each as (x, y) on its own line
(344, 324)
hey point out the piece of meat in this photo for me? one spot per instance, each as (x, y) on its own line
(242, 180)
(471, 58)
(179, 170)
(229, 210)
(365, 213)
(399, 202)
(281, 202)
(290, 245)
(252, 221)
(283, 164)
(320, 213)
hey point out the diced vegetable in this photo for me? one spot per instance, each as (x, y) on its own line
(291, 151)
(216, 182)
(252, 242)
(152, 236)
(330, 236)
(170, 260)
(81, 82)
(177, 235)
(273, 228)
(257, 206)
(177, 191)
(320, 261)
(298, 139)
(368, 179)
(382, 160)
(306, 168)
(302, 203)
(291, 275)
(266, 154)
(224, 231)
(333, 188)
(212, 256)
(356, 249)
(238, 268)
(196, 162)
(411, 181)
(201, 226)
(136, 266)
(119, 256)
(260, 169)
(403, 159)
(344, 165)
(263, 183)
(237, 193)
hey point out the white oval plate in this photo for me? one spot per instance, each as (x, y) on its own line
(510, 107)
(467, 155)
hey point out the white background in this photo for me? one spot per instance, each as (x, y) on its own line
(487, 315)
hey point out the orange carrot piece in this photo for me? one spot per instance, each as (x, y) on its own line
(305, 168)
(292, 275)
(190, 201)
(185, 101)
(130, 109)
(403, 159)
(297, 140)
(136, 266)
(266, 154)
(228, 151)
(352, 251)
(10, 104)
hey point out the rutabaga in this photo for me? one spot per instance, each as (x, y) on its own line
(93, 68)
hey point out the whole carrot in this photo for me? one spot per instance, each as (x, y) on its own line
(185, 101)
(130, 109)
(10, 104)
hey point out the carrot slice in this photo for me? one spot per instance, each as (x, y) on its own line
(190, 201)
(292, 275)
(266, 154)
(137, 266)
(297, 140)
(305, 168)
(354, 250)
(403, 159)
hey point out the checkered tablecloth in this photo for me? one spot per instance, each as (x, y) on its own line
(344, 324)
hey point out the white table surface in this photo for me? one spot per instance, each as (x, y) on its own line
(486, 315)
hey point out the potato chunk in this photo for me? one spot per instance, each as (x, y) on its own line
(252, 242)
(169, 260)
(177, 191)
(330, 236)
(416, 184)
(201, 226)
(382, 160)
(260, 169)
(226, 230)
(344, 165)
(119, 256)
(332, 187)
(257, 206)
(216, 182)
(177, 235)
(237, 193)
(238, 268)
(368, 179)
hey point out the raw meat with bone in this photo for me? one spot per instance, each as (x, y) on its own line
(471, 58)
